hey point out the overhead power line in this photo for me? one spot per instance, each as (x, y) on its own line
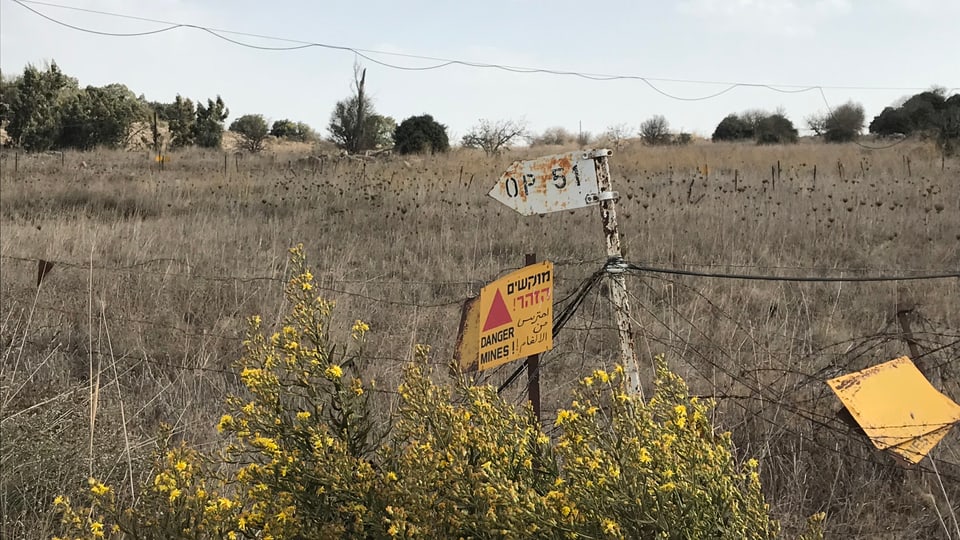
(439, 62)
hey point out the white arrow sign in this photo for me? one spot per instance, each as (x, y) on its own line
(550, 184)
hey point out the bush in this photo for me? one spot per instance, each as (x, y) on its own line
(776, 129)
(733, 128)
(655, 130)
(843, 124)
(252, 129)
(293, 131)
(304, 459)
(419, 134)
(494, 136)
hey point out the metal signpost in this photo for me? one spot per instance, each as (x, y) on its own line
(575, 180)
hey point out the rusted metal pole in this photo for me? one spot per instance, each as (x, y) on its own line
(618, 285)
(533, 363)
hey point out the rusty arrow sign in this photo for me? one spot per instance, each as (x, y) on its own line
(548, 184)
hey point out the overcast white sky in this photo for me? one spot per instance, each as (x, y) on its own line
(898, 45)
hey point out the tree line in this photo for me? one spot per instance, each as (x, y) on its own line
(44, 109)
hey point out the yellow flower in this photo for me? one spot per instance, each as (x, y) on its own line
(97, 488)
(306, 286)
(360, 327)
(303, 415)
(59, 500)
(645, 456)
(181, 466)
(564, 416)
(174, 493)
(225, 422)
(391, 476)
(96, 529)
(601, 375)
(333, 372)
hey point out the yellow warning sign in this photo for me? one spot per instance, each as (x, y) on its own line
(516, 316)
(897, 407)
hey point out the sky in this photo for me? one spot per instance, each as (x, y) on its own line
(887, 49)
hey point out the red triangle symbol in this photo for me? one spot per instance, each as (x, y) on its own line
(498, 314)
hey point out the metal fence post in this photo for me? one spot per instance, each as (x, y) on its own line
(533, 363)
(618, 286)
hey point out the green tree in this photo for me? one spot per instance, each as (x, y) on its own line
(9, 90)
(284, 129)
(844, 123)
(891, 121)
(252, 129)
(655, 130)
(293, 131)
(419, 134)
(208, 131)
(929, 114)
(182, 122)
(733, 128)
(99, 116)
(776, 129)
(354, 124)
(35, 113)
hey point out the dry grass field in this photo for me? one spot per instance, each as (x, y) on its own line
(140, 319)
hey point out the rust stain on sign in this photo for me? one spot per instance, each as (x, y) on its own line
(547, 184)
(897, 407)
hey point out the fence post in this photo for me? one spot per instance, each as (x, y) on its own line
(16, 161)
(224, 163)
(903, 317)
(615, 269)
(736, 180)
(533, 362)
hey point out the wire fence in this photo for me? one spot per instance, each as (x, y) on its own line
(797, 391)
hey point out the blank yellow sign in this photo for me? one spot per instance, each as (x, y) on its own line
(897, 407)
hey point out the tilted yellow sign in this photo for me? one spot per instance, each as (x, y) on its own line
(511, 319)
(897, 407)
(516, 316)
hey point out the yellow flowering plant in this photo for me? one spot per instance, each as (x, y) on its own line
(302, 456)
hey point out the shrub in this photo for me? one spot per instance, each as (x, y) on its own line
(733, 128)
(776, 129)
(494, 136)
(844, 123)
(252, 129)
(655, 130)
(303, 458)
(419, 134)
